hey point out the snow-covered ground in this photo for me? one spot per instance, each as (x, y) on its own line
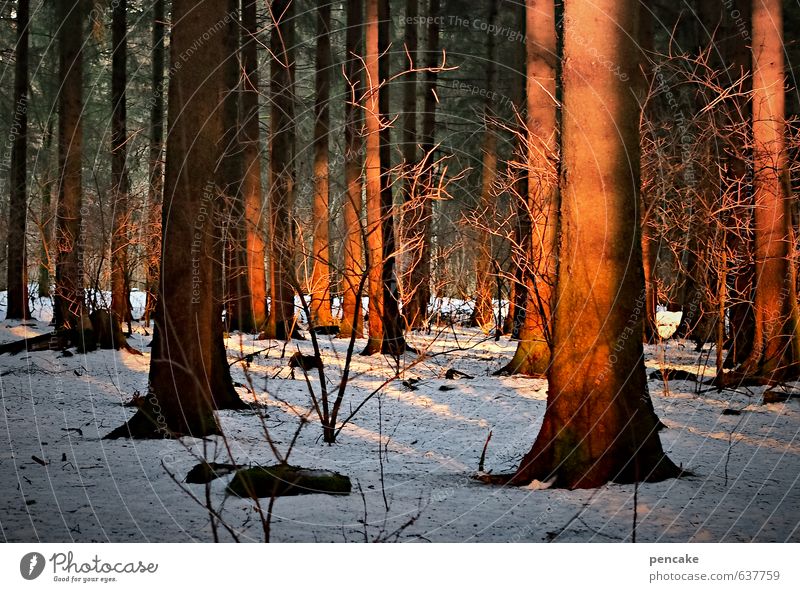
(426, 443)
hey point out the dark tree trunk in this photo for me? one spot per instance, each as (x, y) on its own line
(413, 191)
(46, 213)
(180, 399)
(281, 322)
(393, 324)
(352, 316)
(17, 280)
(69, 297)
(483, 313)
(120, 233)
(420, 272)
(598, 425)
(237, 296)
(321, 274)
(155, 167)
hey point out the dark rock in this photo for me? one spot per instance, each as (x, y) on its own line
(281, 480)
(206, 472)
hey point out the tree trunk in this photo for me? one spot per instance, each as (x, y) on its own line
(419, 274)
(120, 233)
(155, 169)
(353, 252)
(393, 324)
(180, 400)
(17, 280)
(251, 153)
(598, 426)
(352, 317)
(321, 275)
(237, 296)
(483, 313)
(533, 351)
(776, 346)
(413, 191)
(69, 299)
(374, 232)
(281, 322)
(46, 213)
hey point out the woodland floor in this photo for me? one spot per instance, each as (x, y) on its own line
(425, 442)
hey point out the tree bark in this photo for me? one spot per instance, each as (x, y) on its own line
(236, 297)
(775, 355)
(155, 169)
(69, 298)
(180, 399)
(352, 317)
(419, 274)
(533, 351)
(320, 274)
(393, 342)
(120, 232)
(251, 153)
(18, 306)
(483, 313)
(598, 426)
(281, 323)
(374, 232)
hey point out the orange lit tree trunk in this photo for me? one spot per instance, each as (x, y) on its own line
(155, 167)
(352, 317)
(180, 399)
(533, 351)
(281, 323)
(69, 299)
(372, 176)
(17, 279)
(598, 426)
(250, 142)
(483, 313)
(776, 346)
(321, 274)
(120, 232)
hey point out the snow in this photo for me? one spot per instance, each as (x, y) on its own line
(426, 443)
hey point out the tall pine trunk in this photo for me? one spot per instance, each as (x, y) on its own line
(251, 190)
(120, 232)
(393, 324)
(182, 373)
(483, 313)
(372, 175)
(420, 273)
(281, 322)
(413, 190)
(17, 266)
(598, 426)
(776, 346)
(235, 289)
(69, 299)
(155, 170)
(321, 273)
(352, 317)
(533, 351)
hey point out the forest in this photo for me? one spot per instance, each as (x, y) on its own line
(399, 270)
